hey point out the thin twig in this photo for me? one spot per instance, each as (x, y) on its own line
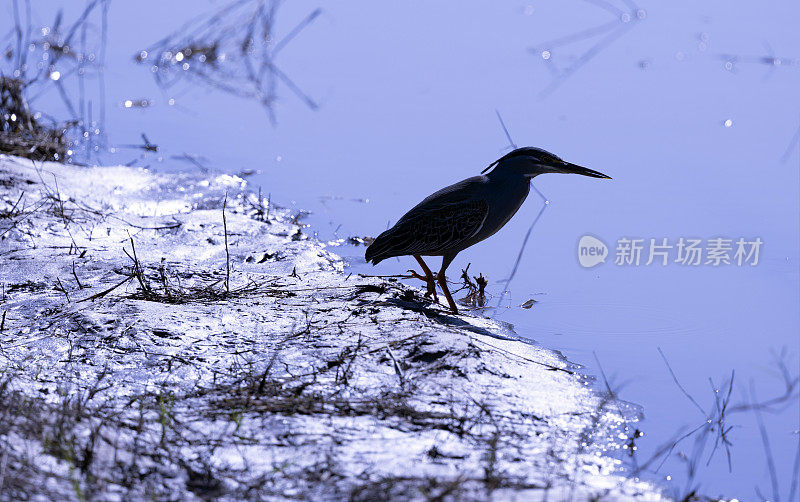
(62, 289)
(169, 226)
(227, 252)
(295, 31)
(75, 274)
(675, 378)
(505, 129)
(792, 144)
(397, 369)
(796, 471)
(773, 475)
(107, 291)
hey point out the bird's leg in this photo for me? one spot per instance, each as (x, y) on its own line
(443, 283)
(428, 277)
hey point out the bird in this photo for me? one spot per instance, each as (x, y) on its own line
(465, 213)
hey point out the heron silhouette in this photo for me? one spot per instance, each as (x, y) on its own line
(461, 215)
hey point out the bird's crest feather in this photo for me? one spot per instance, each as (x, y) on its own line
(524, 151)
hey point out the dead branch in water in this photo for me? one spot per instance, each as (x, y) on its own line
(622, 19)
(713, 431)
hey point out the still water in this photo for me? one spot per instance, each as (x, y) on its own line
(691, 107)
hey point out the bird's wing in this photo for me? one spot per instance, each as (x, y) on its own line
(439, 224)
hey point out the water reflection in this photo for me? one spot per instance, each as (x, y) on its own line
(233, 49)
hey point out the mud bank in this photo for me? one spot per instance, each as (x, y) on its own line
(152, 349)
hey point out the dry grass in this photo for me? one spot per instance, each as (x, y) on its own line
(24, 135)
(57, 59)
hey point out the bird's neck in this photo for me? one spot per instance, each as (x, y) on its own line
(513, 185)
(509, 192)
(510, 177)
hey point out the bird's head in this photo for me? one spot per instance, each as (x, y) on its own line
(530, 161)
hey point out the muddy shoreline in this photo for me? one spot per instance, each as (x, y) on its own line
(152, 348)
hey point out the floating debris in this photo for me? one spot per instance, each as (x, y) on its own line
(146, 145)
(137, 103)
(360, 241)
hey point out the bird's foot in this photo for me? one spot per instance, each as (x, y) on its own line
(431, 292)
(415, 275)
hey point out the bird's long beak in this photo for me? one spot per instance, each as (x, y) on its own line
(569, 168)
